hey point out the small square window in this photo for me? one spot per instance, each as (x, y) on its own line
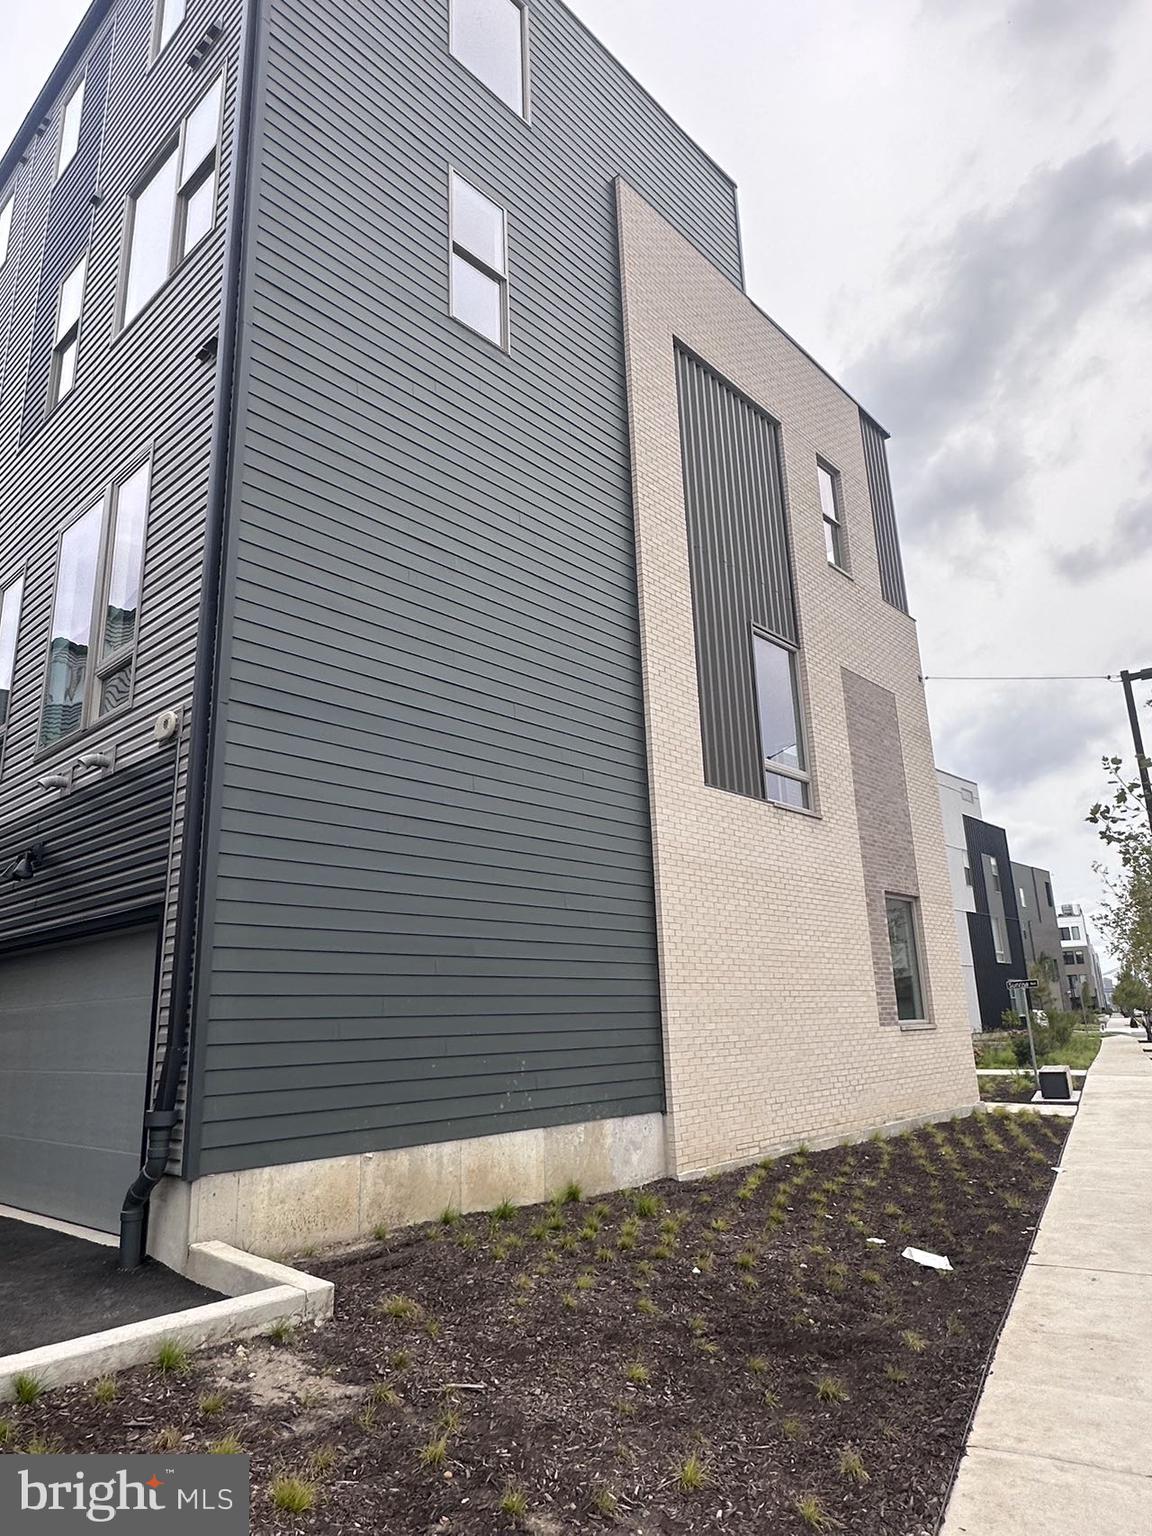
(489, 39)
(904, 944)
(479, 262)
(835, 542)
(70, 129)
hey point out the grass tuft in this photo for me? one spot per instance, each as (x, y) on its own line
(852, 1467)
(227, 1445)
(105, 1390)
(571, 1194)
(27, 1387)
(435, 1453)
(813, 1514)
(692, 1475)
(292, 1495)
(604, 1501)
(514, 1502)
(282, 1331)
(638, 1374)
(172, 1358)
(915, 1342)
(829, 1390)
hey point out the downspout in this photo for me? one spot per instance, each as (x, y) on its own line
(160, 1121)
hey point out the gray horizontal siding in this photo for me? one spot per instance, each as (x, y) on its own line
(892, 587)
(431, 910)
(144, 389)
(739, 562)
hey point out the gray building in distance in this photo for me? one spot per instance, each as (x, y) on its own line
(1039, 928)
(332, 746)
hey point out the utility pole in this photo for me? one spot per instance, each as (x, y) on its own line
(1128, 678)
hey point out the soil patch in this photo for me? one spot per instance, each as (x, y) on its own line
(730, 1356)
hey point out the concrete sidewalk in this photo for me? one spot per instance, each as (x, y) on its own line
(1062, 1440)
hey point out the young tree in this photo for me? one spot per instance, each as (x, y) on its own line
(1131, 993)
(1126, 917)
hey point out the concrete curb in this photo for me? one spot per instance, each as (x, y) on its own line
(258, 1294)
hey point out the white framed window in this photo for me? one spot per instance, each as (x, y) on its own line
(1023, 898)
(11, 596)
(95, 610)
(66, 343)
(478, 242)
(904, 944)
(70, 129)
(831, 506)
(6, 209)
(490, 38)
(786, 777)
(999, 939)
(967, 871)
(175, 206)
(169, 19)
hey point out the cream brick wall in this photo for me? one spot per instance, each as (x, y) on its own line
(771, 1015)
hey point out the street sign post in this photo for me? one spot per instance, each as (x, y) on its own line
(1020, 991)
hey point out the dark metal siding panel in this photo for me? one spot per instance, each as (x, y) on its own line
(739, 560)
(992, 975)
(106, 855)
(892, 587)
(144, 388)
(431, 907)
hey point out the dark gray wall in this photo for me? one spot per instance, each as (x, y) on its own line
(739, 560)
(992, 975)
(1039, 928)
(144, 389)
(431, 910)
(892, 587)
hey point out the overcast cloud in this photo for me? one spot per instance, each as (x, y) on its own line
(949, 204)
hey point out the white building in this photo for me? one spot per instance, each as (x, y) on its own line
(1081, 964)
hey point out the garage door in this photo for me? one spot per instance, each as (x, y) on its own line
(75, 1025)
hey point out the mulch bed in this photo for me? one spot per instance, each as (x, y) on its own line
(583, 1366)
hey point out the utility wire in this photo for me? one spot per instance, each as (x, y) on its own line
(1075, 677)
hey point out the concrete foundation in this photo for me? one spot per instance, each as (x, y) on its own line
(289, 1208)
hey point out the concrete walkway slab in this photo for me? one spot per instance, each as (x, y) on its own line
(1059, 1442)
(1000, 1494)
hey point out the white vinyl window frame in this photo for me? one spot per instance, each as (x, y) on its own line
(100, 663)
(799, 774)
(71, 120)
(919, 1017)
(832, 512)
(522, 107)
(191, 173)
(491, 266)
(66, 334)
(170, 17)
(7, 213)
(11, 610)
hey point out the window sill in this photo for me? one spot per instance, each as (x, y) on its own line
(915, 1026)
(840, 570)
(77, 738)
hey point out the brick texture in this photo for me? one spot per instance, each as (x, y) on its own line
(771, 996)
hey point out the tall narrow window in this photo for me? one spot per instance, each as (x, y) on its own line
(489, 38)
(68, 645)
(781, 735)
(6, 225)
(835, 544)
(479, 255)
(91, 651)
(196, 211)
(903, 941)
(169, 19)
(10, 597)
(70, 129)
(122, 598)
(999, 939)
(66, 347)
(176, 206)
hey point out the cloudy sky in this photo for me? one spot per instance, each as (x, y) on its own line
(950, 203)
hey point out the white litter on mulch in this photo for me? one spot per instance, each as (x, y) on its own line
(929, 1260)
(879, 1241)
